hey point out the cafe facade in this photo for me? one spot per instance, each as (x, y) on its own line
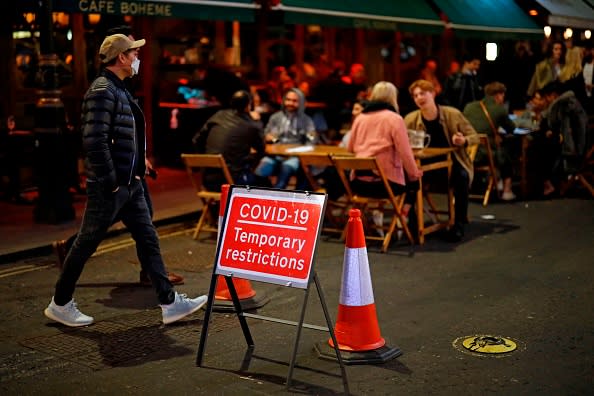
(245, 38)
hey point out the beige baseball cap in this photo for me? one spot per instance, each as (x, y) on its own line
(115, 44)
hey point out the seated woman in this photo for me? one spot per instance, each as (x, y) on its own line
(379, 131)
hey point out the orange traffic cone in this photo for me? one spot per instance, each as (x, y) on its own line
(243, 287)
(357, 331)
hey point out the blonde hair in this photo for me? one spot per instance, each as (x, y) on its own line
(573, 64)
(386, 92)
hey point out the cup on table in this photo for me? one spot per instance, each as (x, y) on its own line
(418, 139)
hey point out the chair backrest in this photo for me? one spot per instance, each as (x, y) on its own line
(472, 150)
(344, 165)
(309, 162)
(483, 141)
(196, 163)
(487, 167)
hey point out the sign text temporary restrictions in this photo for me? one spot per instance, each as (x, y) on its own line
(270, 235)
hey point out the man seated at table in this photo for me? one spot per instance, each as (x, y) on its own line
(447, 127)
(290, 125)
(487, 116)
(234, 134)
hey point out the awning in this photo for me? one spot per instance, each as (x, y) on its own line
(227, 10)
(413, 15)
(569, 13)
(494, 19)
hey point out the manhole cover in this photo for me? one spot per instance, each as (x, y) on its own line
(485, 345)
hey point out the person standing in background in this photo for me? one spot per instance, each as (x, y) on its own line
(548, 70)
(10, 158)
(571, 76)
(429, 73)
(588, 75)
(463, 86)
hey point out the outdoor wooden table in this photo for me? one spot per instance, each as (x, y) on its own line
(299, 149)
(445, 163)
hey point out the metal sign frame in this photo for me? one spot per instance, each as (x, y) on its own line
(299, 198)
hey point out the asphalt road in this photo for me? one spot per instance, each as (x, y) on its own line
(527, 275)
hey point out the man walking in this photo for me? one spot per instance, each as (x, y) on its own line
(62, 246)
(113, 129)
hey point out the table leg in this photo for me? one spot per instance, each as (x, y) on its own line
(420, 213)
(451, 212)
(523, 168)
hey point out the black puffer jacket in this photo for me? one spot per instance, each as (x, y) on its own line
(113, 130)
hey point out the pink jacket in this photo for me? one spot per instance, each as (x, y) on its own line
(382, 134)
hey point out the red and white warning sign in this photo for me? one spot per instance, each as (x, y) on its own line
(270, 235)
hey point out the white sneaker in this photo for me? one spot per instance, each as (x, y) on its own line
(181, 306)
(508, 196)
(378, 220)
(500, 185)
(68, 314)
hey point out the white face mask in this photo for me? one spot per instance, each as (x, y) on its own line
(135, 66)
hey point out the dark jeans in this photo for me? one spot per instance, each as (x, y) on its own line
(129, 205)
(149, 204)
(459, 182)
(502, 155)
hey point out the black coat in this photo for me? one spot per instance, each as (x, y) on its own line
(233, 135)
(113, 131)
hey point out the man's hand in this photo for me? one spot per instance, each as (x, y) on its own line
(150, 171)
(458, 139)
(271, 138)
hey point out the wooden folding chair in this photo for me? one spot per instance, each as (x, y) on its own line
(488, 168)
(335, 210)
(584, 176)
(195, 165)
(391, 204)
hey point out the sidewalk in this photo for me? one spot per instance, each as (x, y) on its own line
(172, 194)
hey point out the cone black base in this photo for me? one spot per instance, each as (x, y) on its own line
(247, 304)
(374, 356)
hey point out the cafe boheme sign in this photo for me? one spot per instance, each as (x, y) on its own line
(242, 10)
(125, 7)
(270, 236)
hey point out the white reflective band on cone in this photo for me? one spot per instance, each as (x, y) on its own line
(356, 289)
